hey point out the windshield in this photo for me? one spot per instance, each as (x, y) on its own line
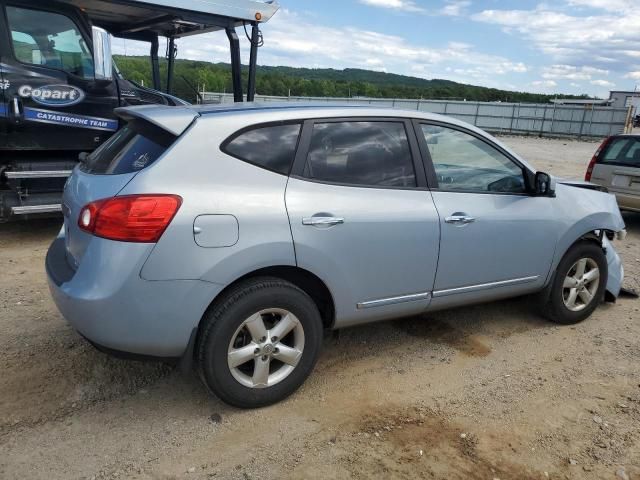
(49, 39)
(115, 67)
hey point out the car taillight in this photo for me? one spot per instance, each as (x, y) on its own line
(594, 159)
(130, 218)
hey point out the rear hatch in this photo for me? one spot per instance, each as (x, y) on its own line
(618, 165)
(105, 172)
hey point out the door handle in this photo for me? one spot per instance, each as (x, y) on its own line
(459, 219)
(17, 111)
(322, 221)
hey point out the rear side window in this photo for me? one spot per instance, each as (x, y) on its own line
(271, 147)
(130, 149)
(622, 151)
(372, 154)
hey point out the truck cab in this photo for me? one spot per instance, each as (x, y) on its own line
(59, 86)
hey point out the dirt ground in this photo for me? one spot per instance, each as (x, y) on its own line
(483, 392)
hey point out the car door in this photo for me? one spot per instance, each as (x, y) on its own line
(53, 99)
(496, 239)
(362, 218)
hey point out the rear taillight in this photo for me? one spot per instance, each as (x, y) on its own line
(594, 159)
(130, 218)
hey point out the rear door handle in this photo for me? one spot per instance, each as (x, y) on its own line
(459, 219)
(326, 221)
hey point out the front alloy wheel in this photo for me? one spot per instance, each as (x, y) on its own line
(581, 284)
(578, 284)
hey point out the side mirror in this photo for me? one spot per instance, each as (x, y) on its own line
(102, 61)
(544, 185)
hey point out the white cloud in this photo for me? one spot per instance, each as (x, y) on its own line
(544, 83)
(455, 8)
(571, 72)
(608, 41)
(633, 75)
(542, 86)
(608, 5)
(402, 5)
(602, 83)
(451, 8)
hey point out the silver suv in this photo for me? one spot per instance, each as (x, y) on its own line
(233, 236)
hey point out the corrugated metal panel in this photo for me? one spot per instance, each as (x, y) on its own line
(539, 119)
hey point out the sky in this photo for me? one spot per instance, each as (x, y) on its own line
(561, 46)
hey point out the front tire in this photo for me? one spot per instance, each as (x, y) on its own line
(259, 342)
(578, 285)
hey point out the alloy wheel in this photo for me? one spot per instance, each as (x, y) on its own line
(581, 284)
(266, 348)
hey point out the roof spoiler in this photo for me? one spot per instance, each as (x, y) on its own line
(174, 120)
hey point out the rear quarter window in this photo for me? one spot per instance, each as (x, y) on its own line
(132, 148)
(270, 146)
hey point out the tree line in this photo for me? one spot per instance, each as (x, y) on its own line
(284, 81)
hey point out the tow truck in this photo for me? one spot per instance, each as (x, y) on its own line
(59, 85)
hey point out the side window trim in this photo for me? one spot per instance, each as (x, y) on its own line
(10, 49)
(278, 123)
(304, 144)
(430, 169)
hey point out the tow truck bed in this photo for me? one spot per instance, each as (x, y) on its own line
(162, 16)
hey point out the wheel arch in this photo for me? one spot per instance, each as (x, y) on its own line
(307, 281)
(590, 228)
(566, 244)
(599, 236)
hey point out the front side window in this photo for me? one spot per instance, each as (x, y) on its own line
(466, 163)
(49, 39)
(361, 153)
(624, 151)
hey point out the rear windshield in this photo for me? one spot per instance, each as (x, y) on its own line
(622, 151)
(130, 149)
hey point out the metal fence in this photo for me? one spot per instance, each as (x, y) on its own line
(497, 117)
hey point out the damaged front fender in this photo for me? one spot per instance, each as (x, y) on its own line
(587, 212)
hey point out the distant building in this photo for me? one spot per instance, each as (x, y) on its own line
(622, 99)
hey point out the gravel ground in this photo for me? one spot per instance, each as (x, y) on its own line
(484, 392)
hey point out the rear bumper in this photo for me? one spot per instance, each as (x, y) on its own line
(107, 302)
(627, 202)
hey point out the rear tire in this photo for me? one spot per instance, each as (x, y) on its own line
(578, 285)
(259, 342)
